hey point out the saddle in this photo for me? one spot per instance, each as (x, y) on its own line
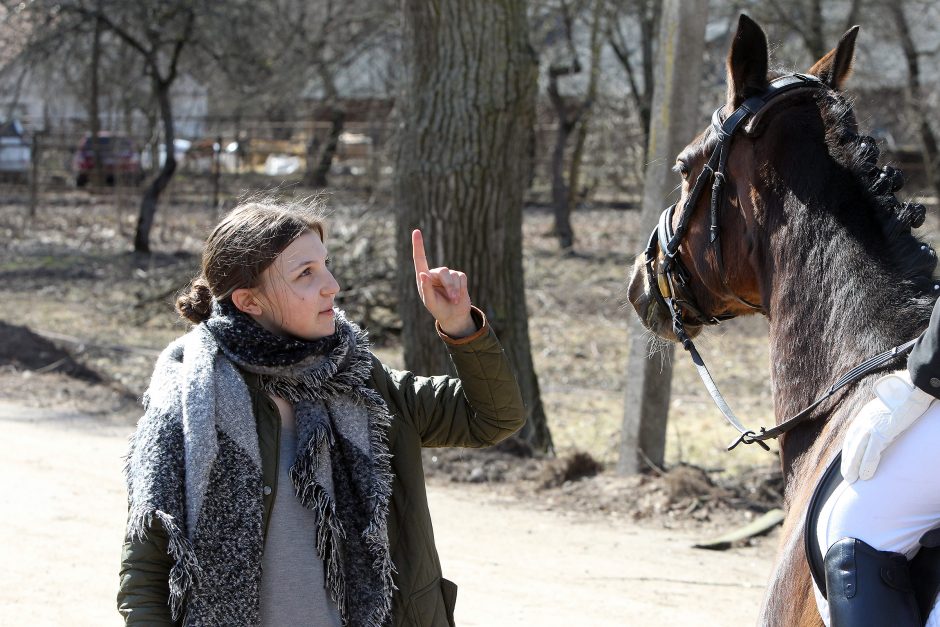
(924, 568)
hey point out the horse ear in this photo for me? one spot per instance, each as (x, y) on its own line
(747, 62)
(834, 68)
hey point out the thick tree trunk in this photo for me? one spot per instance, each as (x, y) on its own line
(148, 204)
(467, 111)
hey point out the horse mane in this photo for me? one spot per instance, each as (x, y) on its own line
(913, 259)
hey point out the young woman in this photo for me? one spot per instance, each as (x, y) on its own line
(873, 523)
(275, 477)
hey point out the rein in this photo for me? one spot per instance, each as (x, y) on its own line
(669, 278)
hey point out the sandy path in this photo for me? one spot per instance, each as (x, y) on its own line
(63, 508)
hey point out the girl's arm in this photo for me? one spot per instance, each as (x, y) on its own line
(143, 598)
(479, 407)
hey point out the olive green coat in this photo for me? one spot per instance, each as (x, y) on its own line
(480, 407)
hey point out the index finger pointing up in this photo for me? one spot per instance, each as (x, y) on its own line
(417, 244)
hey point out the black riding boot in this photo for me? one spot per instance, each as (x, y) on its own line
(869, 587)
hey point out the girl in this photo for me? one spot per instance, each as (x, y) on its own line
(275, 477)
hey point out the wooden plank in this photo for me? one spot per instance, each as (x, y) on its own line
(754, 528)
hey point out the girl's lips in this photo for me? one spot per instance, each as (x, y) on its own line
(327, 312)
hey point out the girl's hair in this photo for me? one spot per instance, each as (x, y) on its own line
(243, 244)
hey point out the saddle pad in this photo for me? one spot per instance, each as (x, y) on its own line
(824, 489)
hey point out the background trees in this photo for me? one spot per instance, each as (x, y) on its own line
(446, 118)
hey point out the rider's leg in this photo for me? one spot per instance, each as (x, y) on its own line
(893, 509)
(869, 587)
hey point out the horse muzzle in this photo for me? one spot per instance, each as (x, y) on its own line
(652, 314)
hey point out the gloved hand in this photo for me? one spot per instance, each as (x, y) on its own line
(897, 405)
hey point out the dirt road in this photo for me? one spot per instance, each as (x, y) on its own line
(63, 508)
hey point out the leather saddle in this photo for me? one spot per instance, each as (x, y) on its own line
(924, 568)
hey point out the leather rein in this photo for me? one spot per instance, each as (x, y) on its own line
(669, 279)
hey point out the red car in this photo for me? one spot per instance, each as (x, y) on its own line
(120, 160)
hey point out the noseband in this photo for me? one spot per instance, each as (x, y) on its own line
(669, 279)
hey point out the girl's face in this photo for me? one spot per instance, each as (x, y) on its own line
(297, 291)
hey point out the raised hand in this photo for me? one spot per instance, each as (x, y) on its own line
(443, 291)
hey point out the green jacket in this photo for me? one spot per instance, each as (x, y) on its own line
(480, 407)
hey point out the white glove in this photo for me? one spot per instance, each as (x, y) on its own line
(897, 405)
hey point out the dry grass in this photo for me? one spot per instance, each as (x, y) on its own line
(69, 272)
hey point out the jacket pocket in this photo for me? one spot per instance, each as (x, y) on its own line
(433, 605)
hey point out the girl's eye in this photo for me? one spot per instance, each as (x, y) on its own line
(306, 272)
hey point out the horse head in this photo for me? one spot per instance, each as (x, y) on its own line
(723, 253)
(784, 212)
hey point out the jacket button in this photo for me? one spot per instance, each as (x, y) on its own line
(934, 382)
(267, 490)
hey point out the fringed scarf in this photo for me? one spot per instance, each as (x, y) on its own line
(195, 465)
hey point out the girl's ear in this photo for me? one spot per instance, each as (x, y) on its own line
(244, 299)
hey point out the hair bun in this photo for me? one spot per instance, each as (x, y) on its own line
(196, 306)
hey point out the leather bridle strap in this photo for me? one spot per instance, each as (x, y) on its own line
(852, 376)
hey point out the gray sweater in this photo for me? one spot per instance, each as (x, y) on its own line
(292, 587)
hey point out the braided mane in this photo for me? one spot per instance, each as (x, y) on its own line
(914, 260)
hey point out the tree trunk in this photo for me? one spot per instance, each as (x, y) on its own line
(94, 118)
(560, 195)
(318, 177)
(675, 123)
(148, 204)
(468, 110)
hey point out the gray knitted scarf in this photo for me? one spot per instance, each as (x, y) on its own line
(195, 466)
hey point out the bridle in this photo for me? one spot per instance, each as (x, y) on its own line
(669, 279)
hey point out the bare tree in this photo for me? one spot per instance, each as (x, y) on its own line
(571, 110)
(159, 33)
(467, 114)
(806, 20)
(590, 97)
(643, 17)
(916, 94)
(290, 51)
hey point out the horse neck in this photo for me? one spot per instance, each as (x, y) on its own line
(832, 305)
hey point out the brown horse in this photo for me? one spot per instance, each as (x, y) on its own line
(812, 237)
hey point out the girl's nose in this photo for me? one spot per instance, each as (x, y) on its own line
(332, 286)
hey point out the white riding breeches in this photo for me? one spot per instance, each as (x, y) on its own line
(893, 509)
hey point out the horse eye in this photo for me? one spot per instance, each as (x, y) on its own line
(683, 169)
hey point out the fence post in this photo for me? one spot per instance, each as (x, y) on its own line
(34, 175)
(216, 173)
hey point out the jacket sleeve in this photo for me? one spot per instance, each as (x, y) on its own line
(479, 407)
(144, 593)
(924, 361)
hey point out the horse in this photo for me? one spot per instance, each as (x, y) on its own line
(811, 236)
